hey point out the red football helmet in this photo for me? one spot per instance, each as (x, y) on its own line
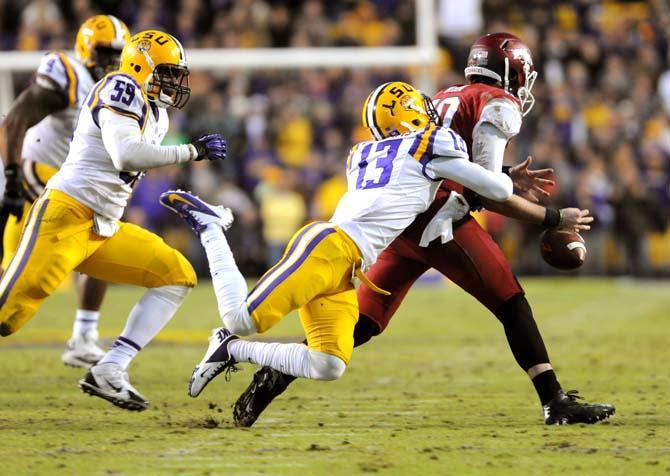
(506, 59)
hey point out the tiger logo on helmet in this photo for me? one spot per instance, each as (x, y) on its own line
(99, 43)
(397, 108)
(157, 62)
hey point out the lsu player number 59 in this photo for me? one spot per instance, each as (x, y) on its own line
(38, 129)
(75, 224)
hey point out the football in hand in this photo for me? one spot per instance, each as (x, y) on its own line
(562, 249)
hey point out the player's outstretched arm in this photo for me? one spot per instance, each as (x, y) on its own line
(494, 186)
(123, 140)
(519, 208)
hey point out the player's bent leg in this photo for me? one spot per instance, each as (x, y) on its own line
(328, 322)
(53, 242)
(108, 379)
(136, 256)
(268, 383)
(324, 366)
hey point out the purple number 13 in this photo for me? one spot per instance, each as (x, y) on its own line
(385, 153)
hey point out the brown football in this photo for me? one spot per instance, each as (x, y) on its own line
(562, 249)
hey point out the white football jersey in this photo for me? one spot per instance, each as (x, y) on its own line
(48, 141)
(88, 173)
(390, 182)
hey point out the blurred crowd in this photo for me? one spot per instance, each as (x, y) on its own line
(602, 117)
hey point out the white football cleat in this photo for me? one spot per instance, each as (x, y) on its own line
(197, 213)
(83, 350)
(110, 382)
(216, 360)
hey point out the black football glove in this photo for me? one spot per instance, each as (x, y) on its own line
(14, 199)
(211, 147)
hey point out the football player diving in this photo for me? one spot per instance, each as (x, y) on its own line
(487, 112)
(75, 223)
(390, 181)
(36, 134)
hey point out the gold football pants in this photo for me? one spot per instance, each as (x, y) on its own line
(58, 238)
(315, 277)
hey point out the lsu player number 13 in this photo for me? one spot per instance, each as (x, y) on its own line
(38, 129)
(390, 181)
(74, 224)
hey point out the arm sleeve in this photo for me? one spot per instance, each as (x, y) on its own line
(123, 140)
(488, 147)
(492, 185)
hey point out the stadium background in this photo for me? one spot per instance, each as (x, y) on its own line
(602, 119)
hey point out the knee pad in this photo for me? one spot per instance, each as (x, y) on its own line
(174, 294)
(240, 322)
(324, 366)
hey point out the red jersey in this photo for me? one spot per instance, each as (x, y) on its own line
(459, 107)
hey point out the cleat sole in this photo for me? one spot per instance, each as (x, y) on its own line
(125, 404)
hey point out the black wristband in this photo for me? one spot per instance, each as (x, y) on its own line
(552, 217)
(506, 169)
(11, 171)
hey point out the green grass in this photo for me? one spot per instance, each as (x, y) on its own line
(439, 393)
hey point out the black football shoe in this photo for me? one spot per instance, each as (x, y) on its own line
(564, 409)
(266, 385)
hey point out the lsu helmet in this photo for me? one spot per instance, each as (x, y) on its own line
(99, 42)
(505, 59)
(156, 61)
(397, 108)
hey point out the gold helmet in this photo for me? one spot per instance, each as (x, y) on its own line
(156, 61)
(397, 108)
(99, 42)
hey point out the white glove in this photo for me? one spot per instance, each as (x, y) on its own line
(455, 208)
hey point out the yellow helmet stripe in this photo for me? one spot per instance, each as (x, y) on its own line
(371, 109)
(72, 78)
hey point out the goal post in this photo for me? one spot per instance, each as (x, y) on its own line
(419, 56)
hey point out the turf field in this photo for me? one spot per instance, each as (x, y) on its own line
(438, 394)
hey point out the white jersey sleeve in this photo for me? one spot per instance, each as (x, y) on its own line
(450, 161)
(123, 141)
(121, 94)
(499, 121)
(448, 143)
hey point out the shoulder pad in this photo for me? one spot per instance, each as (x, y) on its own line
(448, 143)
(121, 94)
(504, 115)
(57, 67)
